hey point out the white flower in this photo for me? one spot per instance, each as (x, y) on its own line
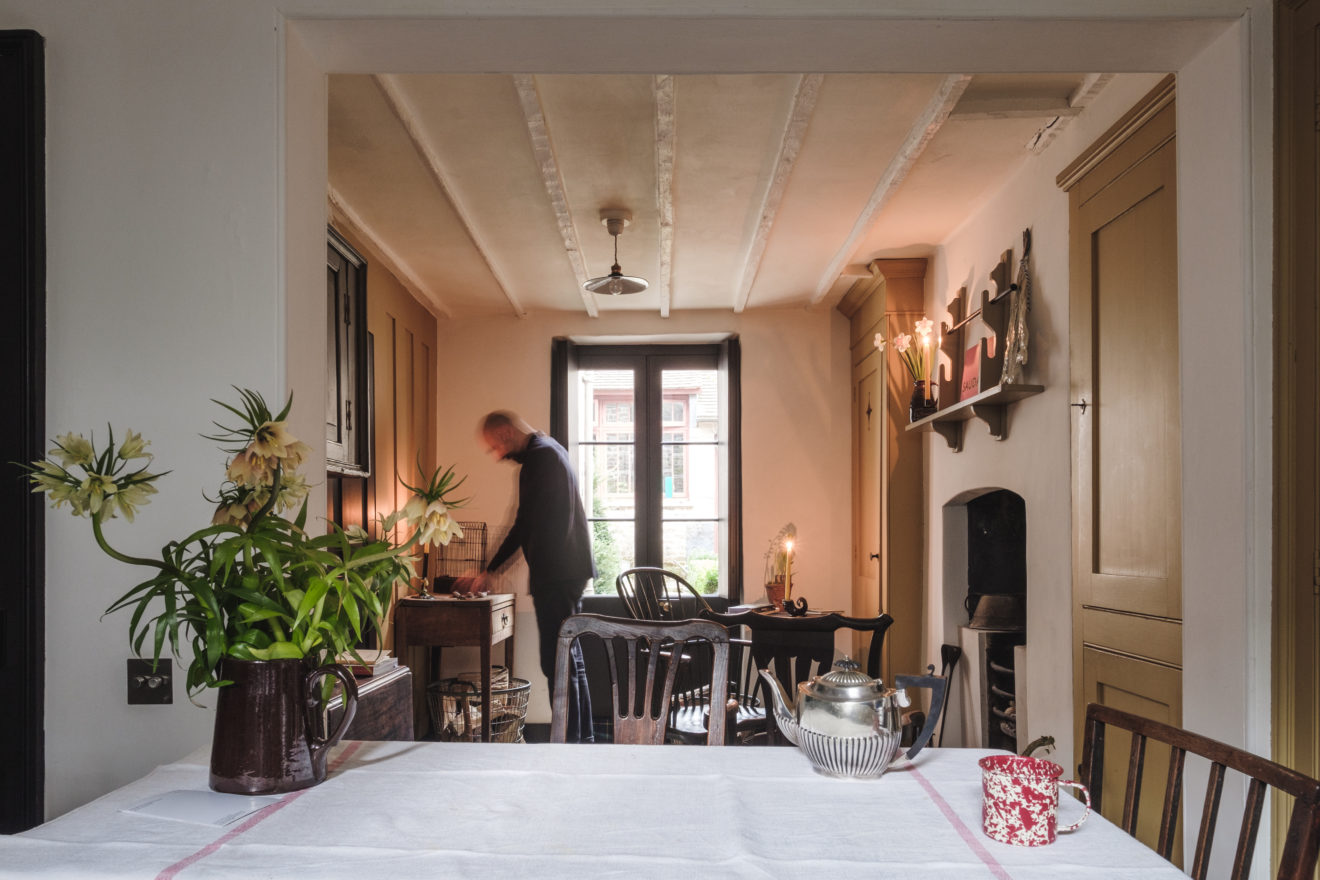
(879, 342)
(924, 327)
(133, 446)
(431, 521)
(73, 449)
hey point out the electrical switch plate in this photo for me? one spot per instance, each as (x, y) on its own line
(150, 687)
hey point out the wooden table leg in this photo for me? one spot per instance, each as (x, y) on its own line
(485, 690)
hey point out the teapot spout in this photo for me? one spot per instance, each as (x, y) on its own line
(784, 714)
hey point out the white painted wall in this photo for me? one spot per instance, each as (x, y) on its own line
(795, 437)
(181, 217)
(1223, 303)
(1034, 459)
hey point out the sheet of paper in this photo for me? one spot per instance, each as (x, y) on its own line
(202, 807)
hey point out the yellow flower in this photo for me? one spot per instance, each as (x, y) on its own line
(133, 446)
(73, 449)
(94, 490)
(250, 469)
(295, 453)
(130, 498)
(272, 439)
(231, 515)
(293, 489)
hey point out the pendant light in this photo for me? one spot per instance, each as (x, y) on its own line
(616, 283)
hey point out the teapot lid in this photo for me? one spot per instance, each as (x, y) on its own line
(846, 682)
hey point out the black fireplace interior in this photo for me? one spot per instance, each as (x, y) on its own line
(996, 602)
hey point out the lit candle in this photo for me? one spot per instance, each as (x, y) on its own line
(788, 569)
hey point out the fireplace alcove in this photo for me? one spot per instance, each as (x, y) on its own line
(985, 600)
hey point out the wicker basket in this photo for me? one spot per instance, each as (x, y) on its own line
(455, 705)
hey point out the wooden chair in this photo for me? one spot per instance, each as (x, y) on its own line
(1303, 842)
(641, 661)
(794, 649)
(658, 594)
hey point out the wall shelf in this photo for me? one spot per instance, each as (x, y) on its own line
(989, 406)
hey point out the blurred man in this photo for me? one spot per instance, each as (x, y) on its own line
(550, 528)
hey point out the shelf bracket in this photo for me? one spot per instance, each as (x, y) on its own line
(993, 416)
(952, 432)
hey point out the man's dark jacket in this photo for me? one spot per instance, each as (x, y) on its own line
(550, 526)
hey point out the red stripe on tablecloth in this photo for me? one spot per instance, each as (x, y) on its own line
(256, 819)
(972, 841)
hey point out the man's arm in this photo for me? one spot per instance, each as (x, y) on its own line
(531, 488)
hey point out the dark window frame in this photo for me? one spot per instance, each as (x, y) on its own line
(725, 358)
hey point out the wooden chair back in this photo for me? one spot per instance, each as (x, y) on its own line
(1303, 842)
(795, 648)
(643, 658)
(658, 594)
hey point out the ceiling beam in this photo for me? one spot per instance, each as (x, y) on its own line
(409, 118)
(395, 264)
(1084, 94)
(799, 118)
(544, 154)
(1014, 107)
(665, 137)
(929, 123)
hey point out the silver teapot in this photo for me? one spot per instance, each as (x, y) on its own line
(850, 724)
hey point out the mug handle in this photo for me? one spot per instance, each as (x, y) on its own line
(320, 747)
(1086, 795)
(937, 685)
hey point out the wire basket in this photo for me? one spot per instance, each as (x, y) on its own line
(455, 705)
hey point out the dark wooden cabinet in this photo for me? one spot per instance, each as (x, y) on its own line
(347, 402)
(385, 708)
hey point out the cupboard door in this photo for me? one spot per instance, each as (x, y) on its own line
(1124, 334)
(347, 420)
(1152, 690)
(1126, 440)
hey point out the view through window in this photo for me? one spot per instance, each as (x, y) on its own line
(649, 448)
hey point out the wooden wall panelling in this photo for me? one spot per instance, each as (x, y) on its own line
(403, 365)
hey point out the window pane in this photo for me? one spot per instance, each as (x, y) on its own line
(692, 550)
(612, 548)
(607, 475)
(690, 481)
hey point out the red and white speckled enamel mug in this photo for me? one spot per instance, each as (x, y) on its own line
(1020, 800)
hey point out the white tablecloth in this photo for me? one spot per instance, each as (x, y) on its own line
(403, 810)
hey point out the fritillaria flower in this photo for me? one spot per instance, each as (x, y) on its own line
(73, 450)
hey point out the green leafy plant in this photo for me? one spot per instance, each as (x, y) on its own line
(253, 585)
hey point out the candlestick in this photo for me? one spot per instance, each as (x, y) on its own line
(788, 570)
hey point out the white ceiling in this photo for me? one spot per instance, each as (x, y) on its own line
(483, 192)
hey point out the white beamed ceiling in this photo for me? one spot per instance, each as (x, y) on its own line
(748, 191)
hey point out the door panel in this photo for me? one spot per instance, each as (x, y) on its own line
(1128, 529)
(1151, 690)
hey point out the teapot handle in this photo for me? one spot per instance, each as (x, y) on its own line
(938, 685)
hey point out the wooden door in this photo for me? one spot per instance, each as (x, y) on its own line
(1123, 335)
(887, 465)
(1296, 670)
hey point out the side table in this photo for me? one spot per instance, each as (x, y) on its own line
(449, 622)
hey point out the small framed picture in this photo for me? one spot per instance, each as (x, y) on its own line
(971, 373)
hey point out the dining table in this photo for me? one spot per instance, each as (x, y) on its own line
(491, 810)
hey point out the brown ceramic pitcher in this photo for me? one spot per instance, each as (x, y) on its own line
(265, 723)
